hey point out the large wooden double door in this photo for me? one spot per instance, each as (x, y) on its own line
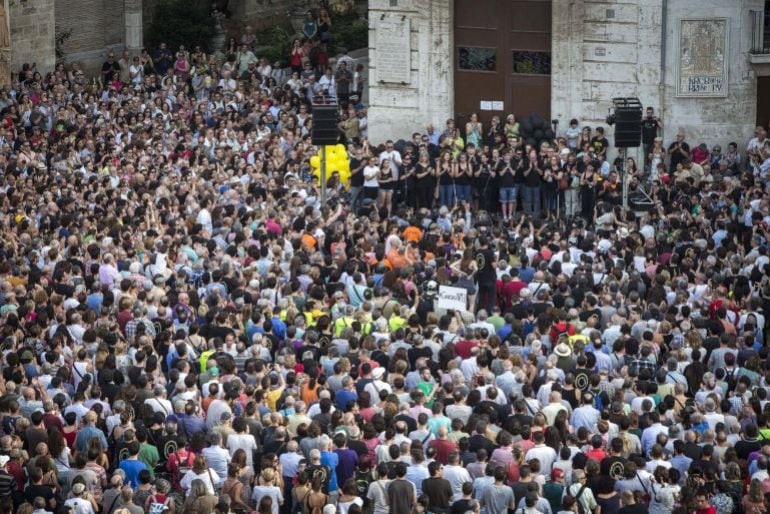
(502, 58)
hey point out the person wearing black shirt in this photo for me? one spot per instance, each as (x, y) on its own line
(485, 184)
(600, 143)
(587, 193)
(679, 151)
(533, 177)
(614, 465)
(446, 180)
(424, 181)
(486, 275)
(650, 126)
(407, 182)
(110, 68)
(462, 172)
(506, 171)
(357, 164)
(551, 176)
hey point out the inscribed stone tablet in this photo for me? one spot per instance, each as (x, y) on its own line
(392, 60)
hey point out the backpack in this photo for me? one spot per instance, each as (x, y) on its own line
(156, 507)
(730, 378)
(183, 466)
(598, 401)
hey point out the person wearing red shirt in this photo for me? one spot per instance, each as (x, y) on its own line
(560, 327)
(463, 348)
(702, 505)
(443, 446)
(596, 452)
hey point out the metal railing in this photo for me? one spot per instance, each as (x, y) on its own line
(760, 32)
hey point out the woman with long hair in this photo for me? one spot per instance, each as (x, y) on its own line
(315, 499)
(424, 181)
(474, 131)
(754, 501)
(268, 488)
(233, 487)
(664, 491)
(387, 184)
(445, 180)
(200, 471)
(462, 173)
(199, 498)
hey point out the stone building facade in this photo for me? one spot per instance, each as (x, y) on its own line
(695, 61)
(95, 27)
(32, 28)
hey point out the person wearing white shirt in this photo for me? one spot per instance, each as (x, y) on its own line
(371, 185)
(201, 471)
(656, 459)
(217, 458)
(650, 434)
(159, 403)
(242, 440)
(393, 156)
(545, 454)
(456, 474)
(204, 216)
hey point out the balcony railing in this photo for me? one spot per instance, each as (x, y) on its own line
(760, 32)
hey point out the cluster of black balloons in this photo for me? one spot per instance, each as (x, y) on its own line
(534, 130)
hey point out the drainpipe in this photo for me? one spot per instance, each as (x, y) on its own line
(662, 85)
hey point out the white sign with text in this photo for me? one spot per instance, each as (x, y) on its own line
(454, 298)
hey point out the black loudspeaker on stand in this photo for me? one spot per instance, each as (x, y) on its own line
(626, 115)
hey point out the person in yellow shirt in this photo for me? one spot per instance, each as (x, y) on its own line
(277, 385)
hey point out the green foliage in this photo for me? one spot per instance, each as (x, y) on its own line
(60, 39)
(349, 31)
(181, 22)
(278, 42)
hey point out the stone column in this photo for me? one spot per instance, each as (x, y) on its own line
(5, 45)
(134, 32)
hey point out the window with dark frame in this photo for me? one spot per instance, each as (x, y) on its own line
(477, 59)
(527, 62)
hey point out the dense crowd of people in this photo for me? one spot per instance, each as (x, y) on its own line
(186, 328)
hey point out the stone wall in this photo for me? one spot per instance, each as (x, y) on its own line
(620, 49)
(90, 42)
(32, 34)
(426, 93)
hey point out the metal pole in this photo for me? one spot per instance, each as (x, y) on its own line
(624, 171)
(323, 174)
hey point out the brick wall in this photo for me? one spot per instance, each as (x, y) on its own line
(32, 33)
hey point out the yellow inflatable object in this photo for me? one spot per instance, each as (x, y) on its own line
(336, 162)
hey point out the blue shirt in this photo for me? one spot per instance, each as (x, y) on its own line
(331, 460)
(85, 435)
(132, 469)
(342, 398)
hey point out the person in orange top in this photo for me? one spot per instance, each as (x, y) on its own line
(412, 232)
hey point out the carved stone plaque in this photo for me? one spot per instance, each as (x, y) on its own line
(392, 53)
(703, 50)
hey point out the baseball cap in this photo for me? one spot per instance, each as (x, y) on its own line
(557, 473)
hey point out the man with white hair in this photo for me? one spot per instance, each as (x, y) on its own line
(258, 349)
(300, 416)
(554, 406)
(158, 402)
(108, 272)
(545, 390)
